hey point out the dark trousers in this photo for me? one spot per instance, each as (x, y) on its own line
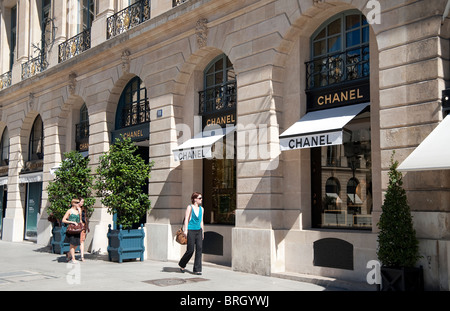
(194, 240)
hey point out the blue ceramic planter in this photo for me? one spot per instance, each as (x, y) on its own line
(58, 245)
(125, 244)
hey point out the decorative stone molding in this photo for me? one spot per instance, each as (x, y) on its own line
(201, 31)
(31, 101)
(126, 61)
(72, 83)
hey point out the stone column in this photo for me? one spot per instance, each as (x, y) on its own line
(23, 39)
(259, 180)
(99, 141)
(104, 9)
(413, 66)
(165, 182)
(59, 16)
(52, 156)
(14, 222)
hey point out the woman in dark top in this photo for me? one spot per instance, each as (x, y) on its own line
(72, 216)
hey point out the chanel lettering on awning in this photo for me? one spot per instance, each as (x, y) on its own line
(199, 147)
(193, 154)
(320, 128)
(310, 141)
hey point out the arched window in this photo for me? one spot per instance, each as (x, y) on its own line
(339, 50)
(353, 192)
(133, 108)
(82, 130)
(36, 143)
(218, 105)
(4, 156)
(219, 86)
(338, 75)
(332, 186)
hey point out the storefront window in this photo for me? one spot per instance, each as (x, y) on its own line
(338, 76)
(134, 108)
(36, 144)
(4, 158)
(82, 130)
(218, 109)
(342, 179)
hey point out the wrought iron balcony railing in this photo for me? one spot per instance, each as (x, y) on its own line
(136, 113)
(82, 136)
(74, 46)
(178, 2)
(336, 68)
(5, 80)
(34, 66)
(127, 18)
(82, 130)
(218, 98)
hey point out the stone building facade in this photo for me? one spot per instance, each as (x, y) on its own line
(283, 113)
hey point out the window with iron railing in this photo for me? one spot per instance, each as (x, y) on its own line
(39, 63)
(34, 66)
(5, 80)
(178, 2)
(340, 52)
(218, 98)
(127, 18)
(74, 46)
(134, 107)
(82, 130)
(219, 93)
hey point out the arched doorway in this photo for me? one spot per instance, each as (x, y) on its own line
(4, 166)
(218, 109)
(132, 121)
(31, 176)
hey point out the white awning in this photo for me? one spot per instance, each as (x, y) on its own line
(433, 153)
(319, 128)
(30, 177)
(199, 147)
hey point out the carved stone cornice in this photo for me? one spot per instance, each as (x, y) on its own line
(201, 31)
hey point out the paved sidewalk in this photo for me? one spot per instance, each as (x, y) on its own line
(26, 266)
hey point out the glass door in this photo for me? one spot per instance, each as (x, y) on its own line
(219, 187)
(33, 206)
(2, 207)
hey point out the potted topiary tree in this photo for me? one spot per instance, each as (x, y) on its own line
(72, 179)
(398, 246)
(121, 176)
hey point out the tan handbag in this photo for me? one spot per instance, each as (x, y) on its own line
(181, 237)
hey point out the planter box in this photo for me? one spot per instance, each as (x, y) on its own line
(125, 244)
(401, 279)
(58, 236)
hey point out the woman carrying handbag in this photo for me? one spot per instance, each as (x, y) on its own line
(72, 216)
(193, 225)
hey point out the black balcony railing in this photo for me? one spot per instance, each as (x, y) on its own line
(34, 66)
(218, 98)
(82, 135)
(178, 2)
(82, 130)
(5, 80)
(127, 18)
(74, 46)
(336, 68)
(136, 113)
